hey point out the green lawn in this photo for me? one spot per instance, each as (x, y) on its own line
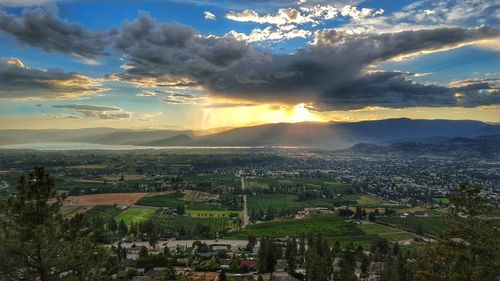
(136, 214)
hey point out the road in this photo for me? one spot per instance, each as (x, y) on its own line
(246, 220)
(4, 185)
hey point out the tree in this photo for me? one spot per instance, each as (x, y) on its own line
(143, 252)
(122, 228)
(37, 243)
(470, 248)
(222, 276)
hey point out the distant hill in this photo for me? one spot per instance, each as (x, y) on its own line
(481, 147)
(326, 135)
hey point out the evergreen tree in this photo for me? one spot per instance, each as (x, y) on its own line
(37, 243)
(470, 248)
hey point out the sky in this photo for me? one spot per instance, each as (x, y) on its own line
(200, 64)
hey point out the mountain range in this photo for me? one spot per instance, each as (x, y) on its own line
(332, 135)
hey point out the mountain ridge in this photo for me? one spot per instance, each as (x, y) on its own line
(335, 135)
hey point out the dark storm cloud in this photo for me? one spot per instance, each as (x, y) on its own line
(175, 55)
(102, 112)
(43, 29)
(18, 81)
(333, 73)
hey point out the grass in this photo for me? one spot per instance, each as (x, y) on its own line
(136, 214)
(162, 200)
(175, 199)
(327, 225)
(264, 202)
(387, 232)
(106, 212)
(433, 225)
(191, 225)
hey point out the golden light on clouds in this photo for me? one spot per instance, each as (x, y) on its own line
(258, 114)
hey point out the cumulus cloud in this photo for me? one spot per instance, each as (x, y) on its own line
(429, 14)
(181, 98)
(171, 55)
(18, 81)
(283, 24)
(101, 112)
(43, 29)
(208, 15)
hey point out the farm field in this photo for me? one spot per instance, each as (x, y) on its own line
(327, 225)
(162, 200)
(387, 232)
(433, 225)
(175, 199)
(71, 210)
(105, 199)
(371, 202)
(106, 212)
(193, 226)
(265, 183)
(264, 202)
(212, 214)
(136, 214)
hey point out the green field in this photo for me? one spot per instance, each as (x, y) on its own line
(264, 202)
(162, 200)
(327, 225)
(212, 213)
(136, 214)
(173, 200)
(433, 225)
(312, 183)
(387, 232)
(193, 227)
(106, 212)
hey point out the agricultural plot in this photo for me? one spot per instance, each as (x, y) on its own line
(311, 183)
(265, 202)
(371, 202)
(326, 225)
(162, 200)
(433, 225)
(105, 199)
(173, 200)
(188, 226)
(213, 214)
(136, 214)
(106, 212)
(71, 210)
(387, 232)
(198, 196)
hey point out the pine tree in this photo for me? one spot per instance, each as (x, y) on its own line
(37, 243)
(470, 248)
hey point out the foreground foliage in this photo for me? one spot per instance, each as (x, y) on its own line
(37, 243)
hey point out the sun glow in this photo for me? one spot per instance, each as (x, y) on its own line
(259, 114)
